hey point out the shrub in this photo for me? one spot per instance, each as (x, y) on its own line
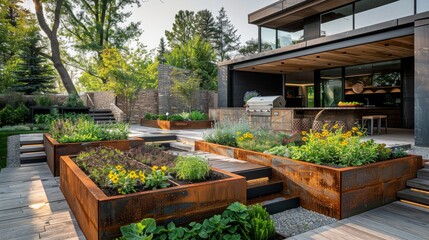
(192, 168)
(197, 116)
(398, 153)
(11, 116)
(150, 116)
(249, 94)
(43, 101)
(84, 130)
(73, 100)
(175, 117)
(225, 133)
(21, 114)
(335, 147)
(262, 226)
(14, 99)
(185, 115)
(234, 223)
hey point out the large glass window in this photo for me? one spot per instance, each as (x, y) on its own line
(331, 87)
(370, 12)
(422, 6)
(361, 74)
(336, 21)
(290, 34)
(268, 38)
(387, 73)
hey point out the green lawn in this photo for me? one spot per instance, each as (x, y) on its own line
(3, 144)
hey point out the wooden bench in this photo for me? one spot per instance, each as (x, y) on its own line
(371, 119)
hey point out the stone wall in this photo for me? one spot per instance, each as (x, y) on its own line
(99, 100)
(147, 102)
(235, 115)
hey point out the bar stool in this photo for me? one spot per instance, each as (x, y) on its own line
(371, 119)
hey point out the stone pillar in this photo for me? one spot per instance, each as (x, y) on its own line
(407, 83)
(421, 83)
(222, 83)
(164, 85)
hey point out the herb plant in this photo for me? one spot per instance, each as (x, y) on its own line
(262, 226)
(197, 116)
(158, 178)
(225, 133)
(250, 94)
(192, 168)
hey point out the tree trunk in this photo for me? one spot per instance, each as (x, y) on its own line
(55, 45)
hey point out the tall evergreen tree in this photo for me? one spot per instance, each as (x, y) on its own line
(183, 29)
(227, 39)
(33, 73)
(161, 51)
(205, 26)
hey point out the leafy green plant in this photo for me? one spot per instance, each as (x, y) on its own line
(124, 181)
(150, 116)
(158, 178)
(152, 155)
(73, 100)
(260, 141)
(14, 116)
(185, 115)
(197, 116)
(192, 168)
(279, 150)
(262, 226)
(383, 152)
(43, 101)
(398, 153)
(175, 117)
(238, 216)
(146, 229)
(250, 94)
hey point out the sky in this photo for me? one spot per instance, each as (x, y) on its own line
(156, 16)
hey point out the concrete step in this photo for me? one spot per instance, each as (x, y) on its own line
(33, 157)
(101, 114)
(259, 189)
(276, 203)
(102, 118)
(186, 139)
(263, 172)
(418, 183)
(32, 148)
(423, 173)
(100, 111)
(31, 141)
(182, 146)
(421, 197)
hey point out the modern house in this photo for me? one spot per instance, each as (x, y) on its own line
(317, 53)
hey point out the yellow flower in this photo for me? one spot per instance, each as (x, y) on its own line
(164, 168)
(343, 143)
(119, 167)
(133, 175)
(325, 133)
(359, 133)
(141, 173)
(238, 133)
(355, 129)
(317, 135)
(250, 135)
(303, 132)
(142, 178)
(240, 139)
(154, 168)
(304, 139)
(325, 125)
(111, 175)
(123, 172)
(115, 180)
(336, 126)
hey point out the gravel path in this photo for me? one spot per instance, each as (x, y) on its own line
(299, 220)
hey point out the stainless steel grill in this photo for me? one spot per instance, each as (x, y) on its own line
(262, 105)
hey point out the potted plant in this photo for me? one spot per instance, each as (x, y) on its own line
(71, 136)
(107, 189)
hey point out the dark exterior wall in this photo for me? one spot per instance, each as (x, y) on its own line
(266, 84)
(312, 27)
(421, 87)
(408, 93)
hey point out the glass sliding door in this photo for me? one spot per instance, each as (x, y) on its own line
(331, 87)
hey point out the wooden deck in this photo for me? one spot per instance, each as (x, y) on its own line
(33, 207)
(394, 221)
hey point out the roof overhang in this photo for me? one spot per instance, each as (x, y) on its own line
(285, 12)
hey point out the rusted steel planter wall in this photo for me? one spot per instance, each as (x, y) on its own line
(54, 150)
(177, 125)
(335, 192)
(101, 216)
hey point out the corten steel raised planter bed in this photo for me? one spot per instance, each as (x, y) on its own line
(177, 125)
(54, 149)
(101, 216)
(335, 192)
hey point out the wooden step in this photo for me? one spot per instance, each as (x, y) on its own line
(32, 148)
(159, 138)
(423, 173)
(275, 203)
(256, 173)
(264, 188)
(181, 146)
(418, 183)
(33, 157)
(414, 196)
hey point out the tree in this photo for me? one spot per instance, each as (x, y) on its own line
(197, 56)
(185, 84)
(183, 29)
(51, 33)
(252, 47)
(227, 40)
(33, 74)
(205, 26)
(127, 74)
(161, 51)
